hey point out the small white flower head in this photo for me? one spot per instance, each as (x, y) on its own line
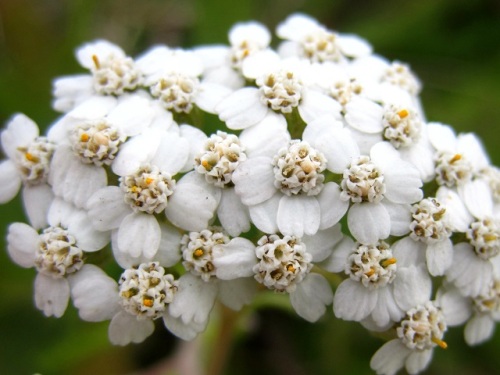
(222, 153)
(372, 265)
(280, 91)
(148, 189)
(284, 262)
(321, 45)
(363, 181)
(402, 126)
(33, 160)
(146, 291)
(57, 254)
(246, 39)
(176, 91)
(489, 302)
(298, 169)
(484, 236)
(400, 75)
(345, 89)
(96, 141)
(423, 328)
(114, 74)
(197, 251)
(452, 169)
(429, 223)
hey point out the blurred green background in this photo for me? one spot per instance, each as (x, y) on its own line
(452, 45)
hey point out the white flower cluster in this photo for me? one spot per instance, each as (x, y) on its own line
(314, 133)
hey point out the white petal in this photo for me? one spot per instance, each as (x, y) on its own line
(390, 358)
(36, 201)
(439, 257)
(311, 297)
(132, 114)
(364, 115)
(337, 261)
(369, 222)
(260, 63)
(335, 142)
(107, 208)
(315, 105)
(455, 307)
(353, 45)
(457, 214)
(321, 245)
(20, 131)
(196, 140)
(403, 183)
(137, 151)
(266, 137)
(412, 287)
(242, 108)
(10, 181)
(353, 301)
(477, 197)
(254, 180)
(172, 154)
(235, 259)
(479, 329)
(442, 137)
(386, 309)
(168, 252)
(409, 252)
(94, 294)
(184, 331)
(51, 295)
(210, 95)
(237, 293)
(473, 150)
(468, 272)
(125, 328)
(418, 361)
(264, 216)
(139, 233)
(298, 215)
(332, 207)
(87, 237)
(233, 215)
(73, 180)
(191, 206)
(400, 215)
(22, 244)
(194, 299)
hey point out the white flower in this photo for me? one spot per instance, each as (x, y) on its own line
(458, 158)
(57, 253)
(418, 332)
(222, 64)
(219, 268)
(381, 286)
(221, 155)
(89, 137)
(282, 182)
(28, 164)
(381, 187)
(306, 38)
(144, 293)
(472, 270)
(431, 231)
(282, 87)
(284, 265)
(112, 73)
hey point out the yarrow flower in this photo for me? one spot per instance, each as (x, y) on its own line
(307, 173)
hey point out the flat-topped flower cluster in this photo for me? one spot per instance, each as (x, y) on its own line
(321, 179)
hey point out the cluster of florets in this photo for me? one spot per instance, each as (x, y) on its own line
(314, 131)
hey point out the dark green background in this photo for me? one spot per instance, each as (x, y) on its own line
(452, 45)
